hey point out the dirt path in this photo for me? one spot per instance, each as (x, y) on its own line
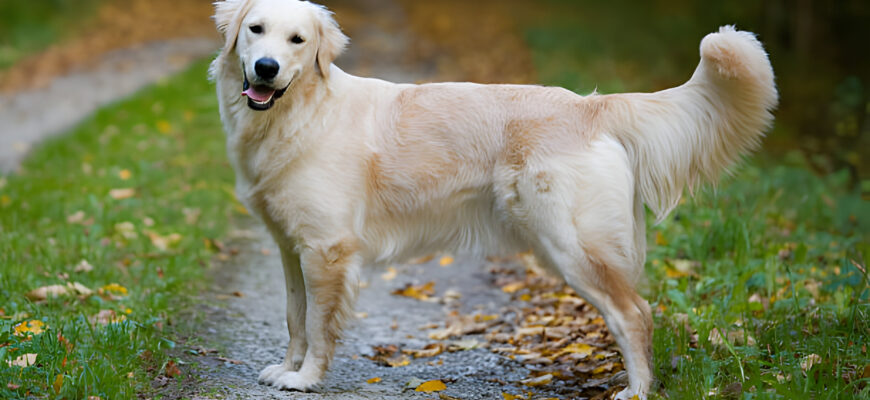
(250, 331)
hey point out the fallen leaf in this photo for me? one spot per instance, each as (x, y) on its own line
(419, 292)
(445, 261)
(76, 217)
(123, 193)
(513, 287)
(581, 349)
(413, 383)
(25, 360)
(70, 289)
(462, 345)
(127, 230)
(58, 383)
(164, 127)
(373, 380)
(83, 266)
(33, 326)
(230, 361)
(114, 288)
(124, 174)
(736, 337)
(539, 381)
(809, 361)
(171, 370)
(105, 317)
(12, 386)
(389, 356)
(431, 350)
(660, 239)
(431, 386)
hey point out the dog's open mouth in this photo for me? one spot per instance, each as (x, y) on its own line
(261, 97)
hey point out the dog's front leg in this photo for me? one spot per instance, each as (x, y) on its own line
(295, 317)
(331, 275)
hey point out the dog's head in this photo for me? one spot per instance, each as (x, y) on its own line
(278, 42)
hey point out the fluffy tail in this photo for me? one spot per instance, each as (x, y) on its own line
(678, 136)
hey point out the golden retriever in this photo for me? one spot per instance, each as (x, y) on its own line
(348, 171)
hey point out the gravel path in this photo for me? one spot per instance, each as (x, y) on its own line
(29, 117)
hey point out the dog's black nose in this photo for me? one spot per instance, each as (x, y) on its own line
(266, 68)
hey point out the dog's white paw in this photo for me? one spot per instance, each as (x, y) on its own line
(282, 378)
(629, 394)
(268, 374)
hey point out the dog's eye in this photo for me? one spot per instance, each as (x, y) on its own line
(258, 29)
(297, 39)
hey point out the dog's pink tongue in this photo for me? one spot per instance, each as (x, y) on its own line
(260, 94)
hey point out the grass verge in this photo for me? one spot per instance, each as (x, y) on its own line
(128, 206)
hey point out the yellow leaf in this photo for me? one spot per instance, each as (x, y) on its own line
(164, 127)
(241, 209)
(115, 288)
(445, 261)
(124, 174)
(419, 292)
(123, 193)
(513, 287)
(5, 200)
(374, 380)
(539, 381)
(58, 383)
(431, 386)
(660, 239)
(508, 396)
(33, 326)
(577, 348)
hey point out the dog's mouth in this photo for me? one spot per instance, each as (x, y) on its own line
(261, 97)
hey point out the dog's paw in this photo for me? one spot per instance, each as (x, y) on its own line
(629, 394)
(268, 374)
(282, 378)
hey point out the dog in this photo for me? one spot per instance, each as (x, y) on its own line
(346, 171)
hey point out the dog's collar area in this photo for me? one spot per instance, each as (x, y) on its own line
(257, 99)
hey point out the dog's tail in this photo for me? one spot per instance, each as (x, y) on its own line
(679, 136)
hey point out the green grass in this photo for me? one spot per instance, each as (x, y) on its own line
(168, 143)
(30, 26)
(769, 254)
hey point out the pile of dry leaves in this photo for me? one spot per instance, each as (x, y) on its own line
(560, 339)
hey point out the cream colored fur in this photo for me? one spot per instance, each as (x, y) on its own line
(348, 171)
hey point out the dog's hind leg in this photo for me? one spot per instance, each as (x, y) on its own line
(295, 284)
(581, 215)
(331, 276)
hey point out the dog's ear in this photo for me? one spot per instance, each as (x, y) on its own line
(228, 15)
(332, 41)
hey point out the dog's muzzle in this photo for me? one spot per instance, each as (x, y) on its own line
(260, 97)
